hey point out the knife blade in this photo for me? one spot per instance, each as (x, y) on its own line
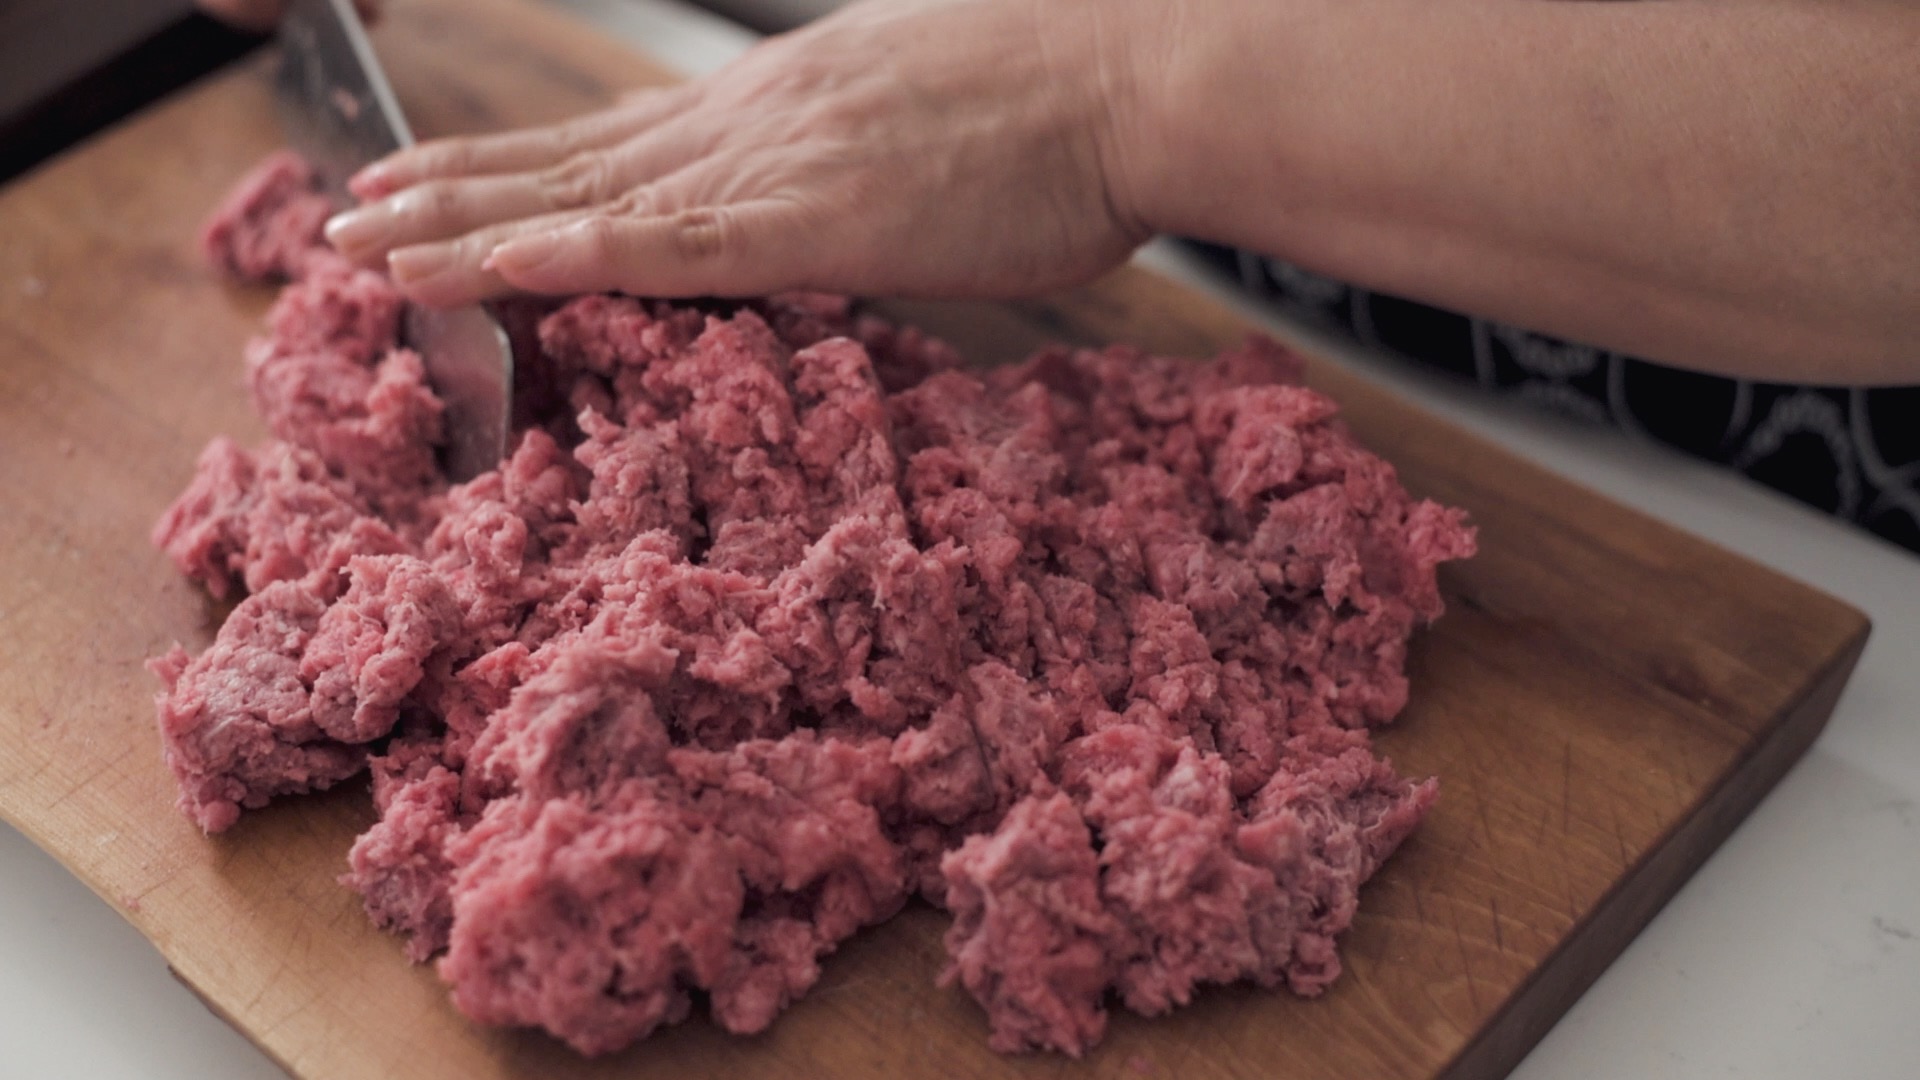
(335, 102)
(339, 110)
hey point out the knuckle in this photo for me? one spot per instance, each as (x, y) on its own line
(600, 237)
(579, 180)
(448, 157)
(432, 204)
(704, 234)
(635, 203)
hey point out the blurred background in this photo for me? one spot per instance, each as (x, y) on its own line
(71, 67)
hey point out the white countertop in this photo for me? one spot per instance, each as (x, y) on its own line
(1793, 953)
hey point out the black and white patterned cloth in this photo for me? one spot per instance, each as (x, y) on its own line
(1854, 453)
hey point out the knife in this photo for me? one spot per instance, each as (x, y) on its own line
(339, 110)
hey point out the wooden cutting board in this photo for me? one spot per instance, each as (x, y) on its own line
(1604, 701)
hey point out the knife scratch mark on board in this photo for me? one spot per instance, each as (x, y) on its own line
(1486, 823)
(1566, 785)
(1466, 958)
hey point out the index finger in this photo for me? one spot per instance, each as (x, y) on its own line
(517, 151)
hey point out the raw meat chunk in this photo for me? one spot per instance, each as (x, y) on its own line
(776, 616)
(268, 227)
(1030, 931)
(238, 719)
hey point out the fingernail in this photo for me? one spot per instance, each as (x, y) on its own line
(373, 182)
(412, 265)
(524, 253)
(357, 229)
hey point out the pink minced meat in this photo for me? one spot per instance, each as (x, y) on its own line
(775, 618)
(271, 222)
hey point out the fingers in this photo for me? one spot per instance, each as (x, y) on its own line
(516, 151)
(453, 272)
(742, 249)
(435, 210)
(441, 209)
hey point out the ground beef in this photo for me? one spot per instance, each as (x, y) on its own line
(774, 618)
(271, 223)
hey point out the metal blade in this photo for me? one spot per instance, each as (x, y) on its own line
(335, 101)
(470, 360)
(340, 111)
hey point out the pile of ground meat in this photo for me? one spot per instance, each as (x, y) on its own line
(774, 618)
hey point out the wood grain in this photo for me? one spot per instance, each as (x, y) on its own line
(1604, 701)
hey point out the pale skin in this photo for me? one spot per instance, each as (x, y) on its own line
(1727, 186)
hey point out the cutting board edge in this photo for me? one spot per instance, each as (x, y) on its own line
(226, 1016)
(1539, 1002)
(1615, 920)
(1801, 722)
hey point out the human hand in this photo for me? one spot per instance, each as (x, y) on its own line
(265, 14)
(928, 148)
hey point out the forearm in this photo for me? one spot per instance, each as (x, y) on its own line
(1733, 187)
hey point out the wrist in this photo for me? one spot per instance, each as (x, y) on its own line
(1130, 55)
(1212, 127)
(1112, 56)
